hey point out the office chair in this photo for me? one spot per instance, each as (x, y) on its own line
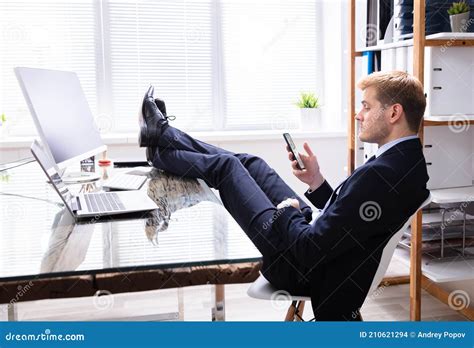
(263, 290)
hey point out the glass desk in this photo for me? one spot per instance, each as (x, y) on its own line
(190, 239)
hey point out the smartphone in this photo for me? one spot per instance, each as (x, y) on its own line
(294, 151)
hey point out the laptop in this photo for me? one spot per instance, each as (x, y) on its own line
(93, 203)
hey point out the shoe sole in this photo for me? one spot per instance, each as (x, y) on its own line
(143, 134)
(149, 155)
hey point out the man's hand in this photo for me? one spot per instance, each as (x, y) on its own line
(289, 202)
(311, 175)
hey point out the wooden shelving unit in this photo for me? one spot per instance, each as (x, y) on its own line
(434, 40)
(416, 279)
(444, 123)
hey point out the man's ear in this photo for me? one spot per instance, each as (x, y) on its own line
(396, 113)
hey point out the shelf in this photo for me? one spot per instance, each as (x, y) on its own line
(432, 248)
(452, 195)
(386, 46)
(432, 233)
(456, 269)
(440, 39)
(439, 272)
(451, 36)
(450, 39)
(433, 218)
(448, 120)
(443, 123)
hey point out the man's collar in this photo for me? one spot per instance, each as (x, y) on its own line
(392, 143)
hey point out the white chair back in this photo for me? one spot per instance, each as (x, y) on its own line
(389, 249)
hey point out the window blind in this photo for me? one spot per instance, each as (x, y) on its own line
(218, 64)
(167, 44)
(270, 54)
(46, 34)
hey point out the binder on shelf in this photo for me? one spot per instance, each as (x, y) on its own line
(370, 61)
(401, 56)
(410, 60)
(449, 81)
(361, 24)
(448, 154)
(388, 60)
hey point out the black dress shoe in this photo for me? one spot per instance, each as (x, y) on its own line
(150, 154)
(161, 106)
(152, 121)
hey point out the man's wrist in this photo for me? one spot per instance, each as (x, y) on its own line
(316, 183)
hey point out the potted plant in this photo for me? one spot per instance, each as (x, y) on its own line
(459, 16)
(310, 110)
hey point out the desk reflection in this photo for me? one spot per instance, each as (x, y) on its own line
(69, 244)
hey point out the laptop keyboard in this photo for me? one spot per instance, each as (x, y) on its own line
(103, 201)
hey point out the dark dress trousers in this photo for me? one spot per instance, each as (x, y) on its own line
(333, 259)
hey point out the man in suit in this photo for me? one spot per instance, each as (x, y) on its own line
(334, 258)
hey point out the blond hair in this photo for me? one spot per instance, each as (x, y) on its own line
(398, 87)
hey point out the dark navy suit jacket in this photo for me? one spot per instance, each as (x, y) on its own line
(334, 260)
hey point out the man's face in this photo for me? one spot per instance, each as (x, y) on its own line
(373, 125)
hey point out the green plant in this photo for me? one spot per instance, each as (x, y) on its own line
(307, 100)
(3, 118)
(5, 177)
(458, 7)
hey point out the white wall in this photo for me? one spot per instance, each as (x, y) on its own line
(330, 148)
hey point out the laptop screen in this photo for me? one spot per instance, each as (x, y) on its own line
(47, 164)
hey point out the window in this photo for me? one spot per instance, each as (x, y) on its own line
(166, 43)
(47, 34)
(218, 64)
(269, 56)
